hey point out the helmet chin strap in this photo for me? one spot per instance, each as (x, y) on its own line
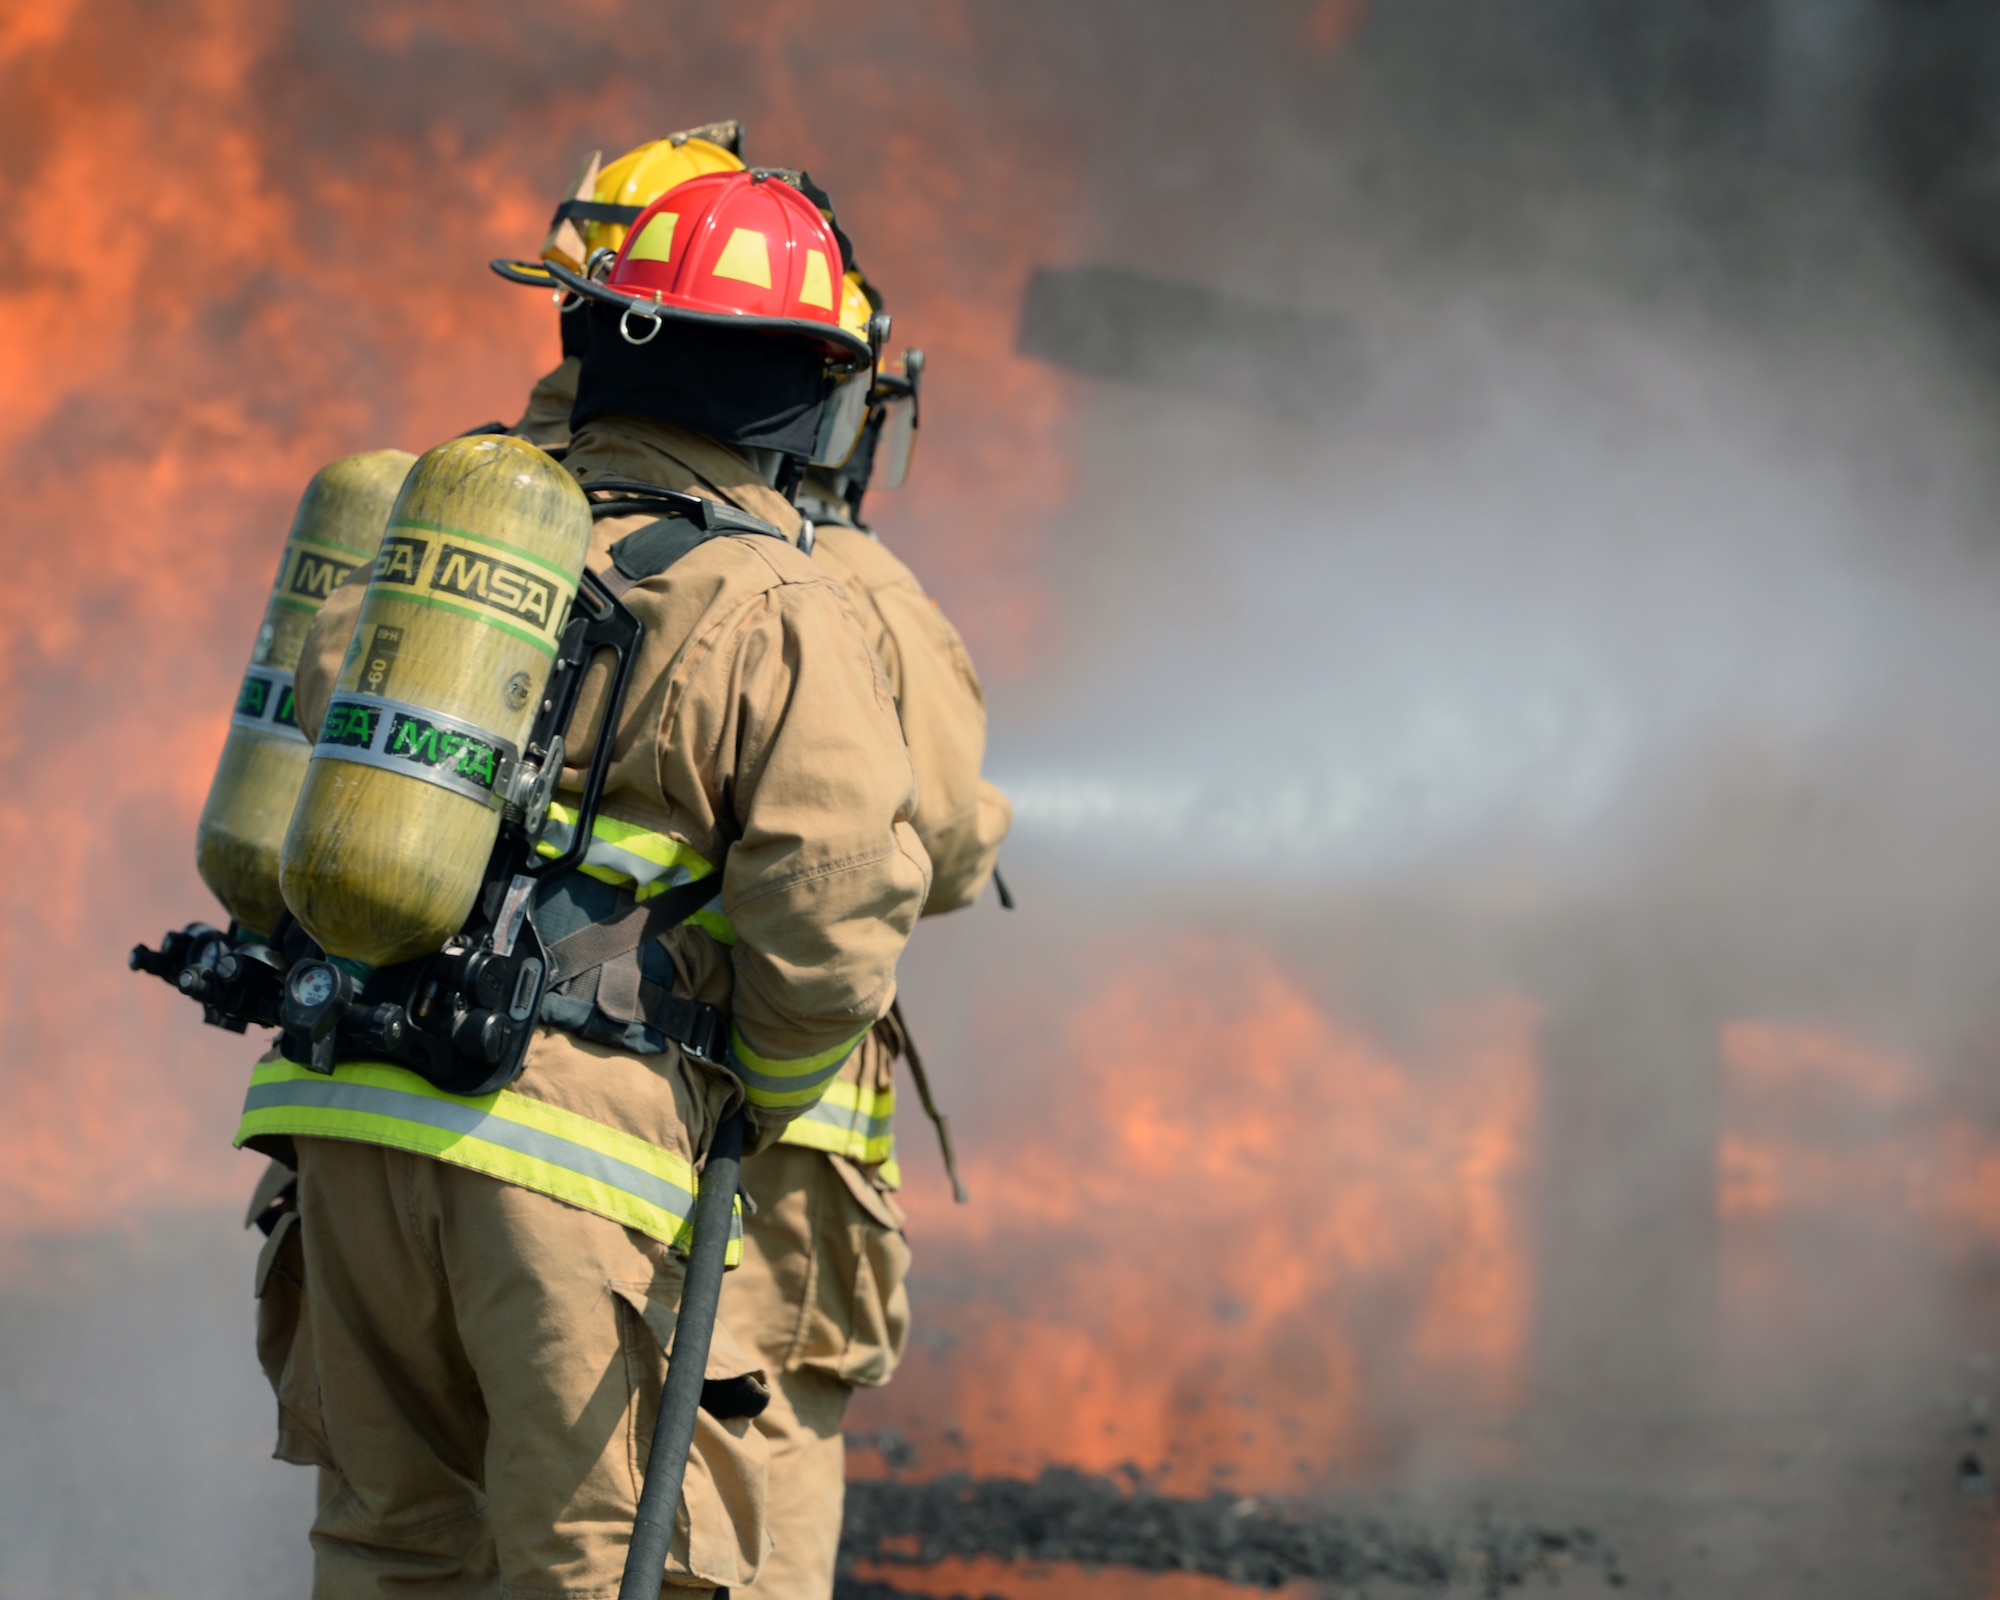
(791, 473)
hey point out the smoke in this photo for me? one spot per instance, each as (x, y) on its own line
(1501, 835)
(1617, 480)
(1619, 640)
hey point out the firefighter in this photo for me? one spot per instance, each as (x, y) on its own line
(603, 202)
(820, 1294)
(481, 1354)
(826, 1215)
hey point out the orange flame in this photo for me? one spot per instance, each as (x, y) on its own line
(1208, 1230)
(1808, 1119)
(1853, 1188)
(242, 240)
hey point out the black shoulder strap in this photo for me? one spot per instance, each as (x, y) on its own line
(686, 521)
(657, 546)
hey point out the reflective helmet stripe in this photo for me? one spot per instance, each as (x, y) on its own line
(505, 1135)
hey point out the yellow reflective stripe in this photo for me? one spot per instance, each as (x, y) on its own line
(638, 856)
(627, 856)
(847, 1121)
(505, 1135)
(715, 925)
(770, 1081)
(879, 1104)
(890, 1173)
(655, 847)
(809, 1134)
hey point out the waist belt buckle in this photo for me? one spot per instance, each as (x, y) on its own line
(708, 1037)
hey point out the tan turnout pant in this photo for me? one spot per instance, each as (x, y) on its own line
(820, 1299)
(477, 1369)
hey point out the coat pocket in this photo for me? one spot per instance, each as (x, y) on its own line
(863, 1251)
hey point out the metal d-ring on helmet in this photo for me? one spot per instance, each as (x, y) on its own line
(625, 325)
(718, 259)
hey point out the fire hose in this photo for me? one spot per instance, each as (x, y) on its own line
(680, 1396)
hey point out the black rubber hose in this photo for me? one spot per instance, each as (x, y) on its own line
(680, 1397)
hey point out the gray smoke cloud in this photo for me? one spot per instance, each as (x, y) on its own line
(1623, 635)
(1683, 452)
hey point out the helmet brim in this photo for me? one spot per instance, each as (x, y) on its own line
(836, 341)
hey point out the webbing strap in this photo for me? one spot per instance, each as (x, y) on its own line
(616, 584)
(620, 935)
(618, 982)
(699, 1029)
(923, 1083)
(593, 211)
(611, 949)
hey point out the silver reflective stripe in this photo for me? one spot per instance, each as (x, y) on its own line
(420, 743)
(795, 1085)
(600, 853)
(269, 691)
(530, 1142)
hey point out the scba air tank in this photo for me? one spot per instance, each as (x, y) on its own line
(338, 527)
(402, 799)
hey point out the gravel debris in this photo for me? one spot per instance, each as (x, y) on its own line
(1259, 1542)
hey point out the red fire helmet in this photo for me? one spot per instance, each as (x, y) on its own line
(740, 254)
(732, 248)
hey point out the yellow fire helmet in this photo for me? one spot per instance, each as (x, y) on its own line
(606, 200)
